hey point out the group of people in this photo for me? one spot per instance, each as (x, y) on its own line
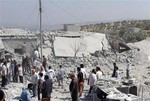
(10, 71)
(42, 79)
(78, 81)
(116, 72)
(42, 82)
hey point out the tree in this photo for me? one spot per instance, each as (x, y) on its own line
(77, 45)
(147, 27)
(134, 37)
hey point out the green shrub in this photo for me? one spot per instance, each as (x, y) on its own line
(134, 37)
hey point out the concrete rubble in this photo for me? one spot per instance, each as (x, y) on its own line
(139, 59)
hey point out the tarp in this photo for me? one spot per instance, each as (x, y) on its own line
(67, 47)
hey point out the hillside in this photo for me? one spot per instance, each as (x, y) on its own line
(130, 31)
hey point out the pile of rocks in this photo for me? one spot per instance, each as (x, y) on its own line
(13, 91)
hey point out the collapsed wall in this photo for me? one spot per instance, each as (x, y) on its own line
(12, 39)
(144, 50)
(69, 47)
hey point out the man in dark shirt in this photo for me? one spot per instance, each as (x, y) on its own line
(115, 68)
(80, 81)
(2, 95)
(47, 88)
(73, 87)
(44, 63)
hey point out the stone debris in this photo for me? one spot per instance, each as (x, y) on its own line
(139, 60)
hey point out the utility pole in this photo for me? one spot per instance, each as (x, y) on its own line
(41, 36)
(117, 46)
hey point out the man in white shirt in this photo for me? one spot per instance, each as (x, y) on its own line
(8, 70)
(128, 68)
(34, 81)
(42, 70)
(36, 54)
(51, 73)
(99, 73)
(20, 73)
(117, 74)
(92, 80)
(83, 71)
(34, 62)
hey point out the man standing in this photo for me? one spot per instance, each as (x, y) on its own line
(20, 73)
(99, 73)
(26, 64)
(114, 71)
(26, 95)
(13, 70)
(16, 71)
(51, 73)
(47, 88)
(128, 68)
(8, 71)
(73, 87)
(34, 81)
(80, 81)
(24, 49)
(4, 74)
(42, 70)
(60, 76)
(36, 54)
(117, 74)
(83, 71)
(40, 84)
(92, 80)
(44, 63)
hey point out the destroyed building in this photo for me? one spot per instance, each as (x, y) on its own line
(61, 44)
(67, 44)
(12, 39)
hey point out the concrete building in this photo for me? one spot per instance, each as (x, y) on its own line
(12, 39)
(71, 27)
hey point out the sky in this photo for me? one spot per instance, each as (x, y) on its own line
(25, 13)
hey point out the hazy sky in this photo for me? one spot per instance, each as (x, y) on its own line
(25, 12)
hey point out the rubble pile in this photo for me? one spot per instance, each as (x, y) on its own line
(139, 58)
(92, 61)
(13, 91)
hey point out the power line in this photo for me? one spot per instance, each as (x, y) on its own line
(45, 13)
(64, 10)
(31, 14)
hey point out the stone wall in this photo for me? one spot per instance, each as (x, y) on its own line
(12, 44)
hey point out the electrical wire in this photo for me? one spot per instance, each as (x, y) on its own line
(31, 14)
(64, 10)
